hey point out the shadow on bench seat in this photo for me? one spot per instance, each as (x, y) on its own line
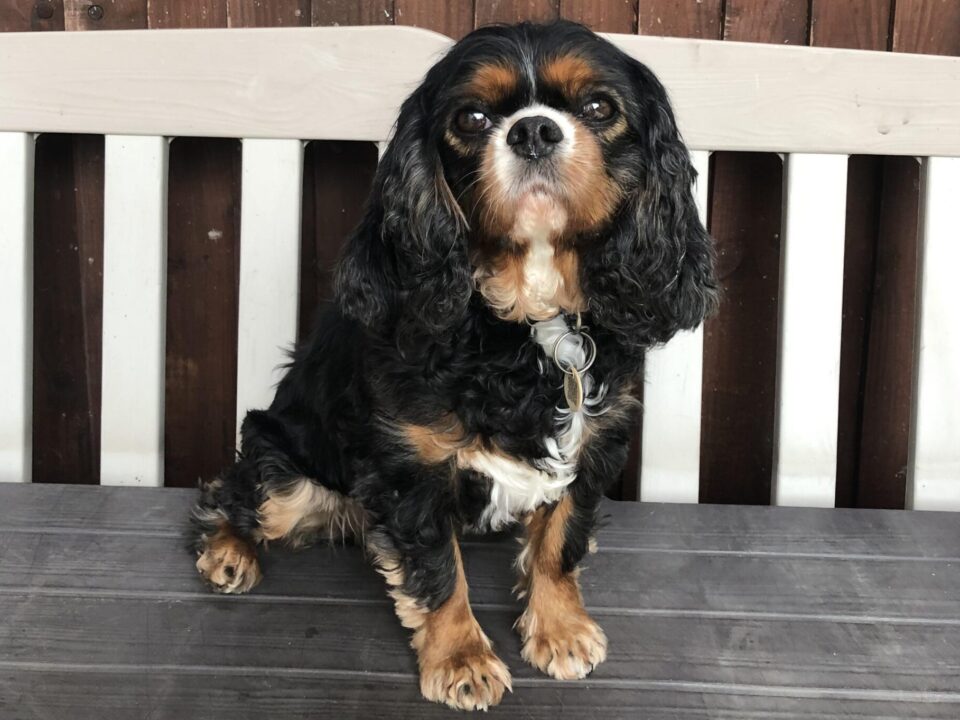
(712, 612)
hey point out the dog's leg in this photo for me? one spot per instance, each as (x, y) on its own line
(559, 637)
(224, 521)
(457, 664)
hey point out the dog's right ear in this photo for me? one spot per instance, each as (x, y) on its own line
(405, 267)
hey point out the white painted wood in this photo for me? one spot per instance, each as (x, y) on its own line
(16, 305)
(347, 83)
(747, 96)
(298, 83)
(672, 396)
(811, 298)
(272, 182)
(134, 310)
(933, 473)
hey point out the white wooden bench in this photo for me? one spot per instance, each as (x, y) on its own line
(275, 88)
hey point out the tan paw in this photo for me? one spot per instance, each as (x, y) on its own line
(567, 649)
(472, 680)
(228, 563)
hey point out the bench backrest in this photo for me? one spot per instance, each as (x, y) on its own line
(275, 88)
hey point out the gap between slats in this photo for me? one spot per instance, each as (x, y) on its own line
(270, 216)
(808, 358)
(672, 397)
(933, 473)
(134, 309)
(16, 305)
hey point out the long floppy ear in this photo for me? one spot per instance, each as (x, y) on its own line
(405, 267)
(655, 273)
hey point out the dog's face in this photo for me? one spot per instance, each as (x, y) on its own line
(541, 167)
(547, 125)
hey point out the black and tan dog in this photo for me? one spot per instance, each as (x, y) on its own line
(531, 231)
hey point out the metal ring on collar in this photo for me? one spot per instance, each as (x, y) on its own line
(591, 351)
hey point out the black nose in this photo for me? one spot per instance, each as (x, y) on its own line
(534, 137)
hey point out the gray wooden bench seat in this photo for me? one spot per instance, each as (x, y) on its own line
(712, 612)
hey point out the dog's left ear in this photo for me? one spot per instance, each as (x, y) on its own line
(405, 270)
(654, 275)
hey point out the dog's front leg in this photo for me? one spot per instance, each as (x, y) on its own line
(457, 664)
(559, 636)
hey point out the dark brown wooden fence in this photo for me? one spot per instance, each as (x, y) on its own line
(740, 344)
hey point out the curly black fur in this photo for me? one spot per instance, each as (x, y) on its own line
(410, 341)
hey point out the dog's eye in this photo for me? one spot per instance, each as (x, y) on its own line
(472, 122)
(597, 109)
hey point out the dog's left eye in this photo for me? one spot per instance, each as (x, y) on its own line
(597, 109)
(472, 122)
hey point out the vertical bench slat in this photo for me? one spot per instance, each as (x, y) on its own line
(16, 305)
(672, 396)
(933, 481)
(811, 299)
(271, 197)
(134, 309)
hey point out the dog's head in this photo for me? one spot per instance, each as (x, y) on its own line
(541, 167)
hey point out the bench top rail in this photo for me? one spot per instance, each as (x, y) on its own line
(347, 83)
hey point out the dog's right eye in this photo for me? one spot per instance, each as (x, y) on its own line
(472, 122)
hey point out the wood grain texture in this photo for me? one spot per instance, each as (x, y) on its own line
(202, 284)
(113, 15)
(337, 177)
(927, 26)
(740, 343)
(203, 261)
(186, 13)
(743, 612)
(252, 695)
(453, 18)
(860, 24)
(68, 303)
(511, 11)
(854, 24)
(618, 16)
(26, 15)
(356, 12)
(864, 200)
(681, 18)
(268, 13)
(767, 21)
(888, 371)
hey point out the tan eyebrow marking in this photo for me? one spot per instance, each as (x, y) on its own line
(493, 82)
(569, 73)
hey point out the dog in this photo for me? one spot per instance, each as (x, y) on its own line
(530, 232)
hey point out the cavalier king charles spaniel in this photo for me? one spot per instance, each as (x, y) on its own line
(530, 232)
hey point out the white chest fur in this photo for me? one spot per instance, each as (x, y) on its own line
(519, 487)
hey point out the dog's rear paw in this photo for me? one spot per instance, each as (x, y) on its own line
(228, 563)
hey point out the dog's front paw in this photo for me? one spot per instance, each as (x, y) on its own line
(474, 679)
(228, 563)
(564, 648)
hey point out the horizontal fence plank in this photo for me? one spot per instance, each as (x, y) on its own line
(672, 399)
(270, 215)
(933, 481)
(811, 299)
(16, 305)
(134, 310)
(283, 82)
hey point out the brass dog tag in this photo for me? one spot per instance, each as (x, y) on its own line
(573, 389)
